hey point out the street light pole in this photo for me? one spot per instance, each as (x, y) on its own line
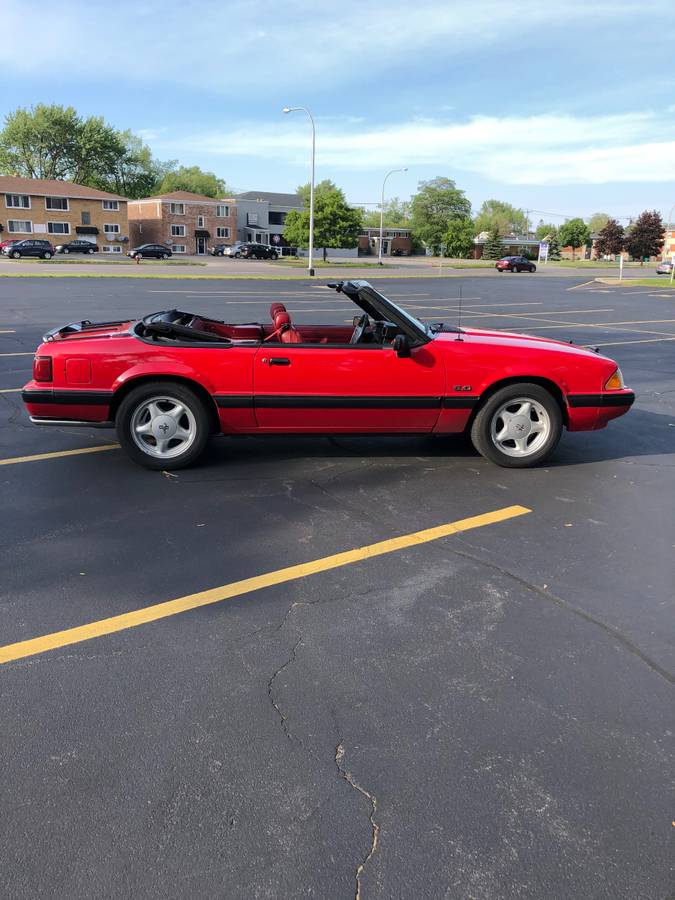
(379, 249)
(290, 109)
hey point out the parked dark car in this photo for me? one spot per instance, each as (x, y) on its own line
(77, 246)
(258, 251)
(150, 251)
(220, 250)
(515, 264)
(17, 249)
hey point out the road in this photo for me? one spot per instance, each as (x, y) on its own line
(487, 714)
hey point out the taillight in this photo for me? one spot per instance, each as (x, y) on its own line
(42, 368)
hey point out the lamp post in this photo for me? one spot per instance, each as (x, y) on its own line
(379, 249)
(290, 109)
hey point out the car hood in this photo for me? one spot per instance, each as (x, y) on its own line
(515, 340)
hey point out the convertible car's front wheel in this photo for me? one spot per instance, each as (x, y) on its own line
(162, 425)
(518, 426)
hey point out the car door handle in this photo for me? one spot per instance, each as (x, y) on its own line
(279, 361)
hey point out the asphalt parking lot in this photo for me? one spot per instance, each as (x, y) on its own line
(486, 712)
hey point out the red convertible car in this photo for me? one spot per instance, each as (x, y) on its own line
(170, 380)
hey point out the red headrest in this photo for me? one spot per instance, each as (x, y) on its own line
(281, 318)
(275, 308)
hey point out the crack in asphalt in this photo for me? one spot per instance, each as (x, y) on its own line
(347, 776)
(270, 683)
(545, 594)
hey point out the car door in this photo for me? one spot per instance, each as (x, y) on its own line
(365, 388)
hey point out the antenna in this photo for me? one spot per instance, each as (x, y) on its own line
(459, 316)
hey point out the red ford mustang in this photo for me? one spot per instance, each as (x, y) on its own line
(168, 381)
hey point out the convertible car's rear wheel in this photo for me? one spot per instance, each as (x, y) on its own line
(162, 425)
(518, 426)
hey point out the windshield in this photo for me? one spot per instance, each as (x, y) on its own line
(381, 309)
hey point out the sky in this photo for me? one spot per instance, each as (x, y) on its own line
(564, 109)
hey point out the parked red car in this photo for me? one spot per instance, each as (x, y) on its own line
(168, 381)
(515, 264)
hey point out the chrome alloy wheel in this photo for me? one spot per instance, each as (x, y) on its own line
(163, 427)
(520, 427)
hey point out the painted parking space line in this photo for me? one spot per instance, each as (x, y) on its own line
(56, 454)
(10, 390)
(33, 646)
(31, 353)
(7, 330)
(641, 341)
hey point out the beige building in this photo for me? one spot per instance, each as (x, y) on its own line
(185, 222)
(61, 211)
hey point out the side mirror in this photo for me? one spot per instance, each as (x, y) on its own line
(401, 345)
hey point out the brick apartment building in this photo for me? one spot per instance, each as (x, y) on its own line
(61, 211)
(186, 222)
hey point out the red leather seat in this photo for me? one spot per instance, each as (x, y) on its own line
(275, 308)
(286, 333)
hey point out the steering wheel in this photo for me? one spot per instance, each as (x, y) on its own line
(357, 334)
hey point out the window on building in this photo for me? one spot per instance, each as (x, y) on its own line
(178, 231)
(111, 204)
(86, 218)
(19, 226)
(58, 227)
(200, 221)
(277, 218)
(111, 248)
(177, 209)
(17, 201)
(222, 232)
(56, 203)
(222, 212)
(111, 229)
(251, 218)
(178, 248)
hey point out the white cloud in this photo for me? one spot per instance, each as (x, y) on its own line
(221, 46)
(544, 149)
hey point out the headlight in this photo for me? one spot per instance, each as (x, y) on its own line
(615, 381)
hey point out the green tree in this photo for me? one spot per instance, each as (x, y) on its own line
(574, 233)
(554, 246)
(597, 222)
(40, 142)
(611, 239)
(336, 224)
(545, 230)
(493, 247)
(435, 205)
(459, 238)
(497, 214)
(193, 179)
(645, 236)
(53, 142)
(396, 213)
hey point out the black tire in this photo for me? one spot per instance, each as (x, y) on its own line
(173, 391)
(165, 255)
(138, 256)
(47, 255)
(481, 428)
(65, 250)
(533, 269)
(89, 252)
(15, 254)
(237, 255)
(274, 256)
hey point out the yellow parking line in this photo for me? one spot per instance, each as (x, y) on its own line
(22, 649)
(12, 460)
